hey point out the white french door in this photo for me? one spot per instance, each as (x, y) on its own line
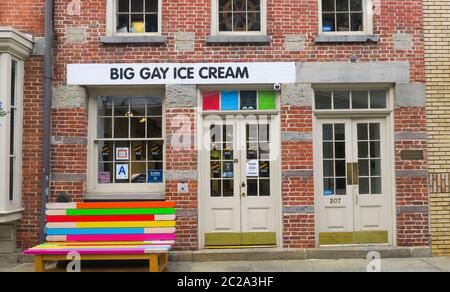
(241, 187)
(352, 185)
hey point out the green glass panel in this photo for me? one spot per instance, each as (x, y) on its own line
(267, 100)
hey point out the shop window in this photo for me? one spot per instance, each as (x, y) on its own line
(350, 99)
(13, 167)
(243, 100)
(345, 16)
(239, 16)
(137, 16)
(130, 140)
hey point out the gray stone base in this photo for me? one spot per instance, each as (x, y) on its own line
(268, 254)
(8, 238)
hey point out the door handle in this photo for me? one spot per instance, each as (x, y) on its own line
(243, 185)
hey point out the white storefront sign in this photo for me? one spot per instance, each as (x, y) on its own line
(170, 73)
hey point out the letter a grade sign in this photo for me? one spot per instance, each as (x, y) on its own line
(122, 171)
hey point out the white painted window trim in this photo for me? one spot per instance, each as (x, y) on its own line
(215, 22)
(367, 23)
(123, 191)
(111, 21)
(7, 205)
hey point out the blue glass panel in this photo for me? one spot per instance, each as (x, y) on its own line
(230, 100)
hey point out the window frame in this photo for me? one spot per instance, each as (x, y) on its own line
(6, 61)
(111, 21)
(367, 23)
(123, 191)
(215, 31)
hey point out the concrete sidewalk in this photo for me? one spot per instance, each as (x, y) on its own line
(344, 265)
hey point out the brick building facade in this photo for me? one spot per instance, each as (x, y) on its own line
(437, 61)
(347, 126)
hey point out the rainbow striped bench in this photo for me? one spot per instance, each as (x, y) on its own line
(108, 231)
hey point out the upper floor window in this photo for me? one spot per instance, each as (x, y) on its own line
(345, 16)
(137, 16)
(351, 99)
(239, 16)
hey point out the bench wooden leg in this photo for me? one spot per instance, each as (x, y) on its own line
(163, 262)
(39, 265)
(154, 263)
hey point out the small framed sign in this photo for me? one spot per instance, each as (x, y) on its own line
(122, 153)
(155, 176)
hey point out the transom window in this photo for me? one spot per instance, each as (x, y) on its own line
(343, 15)
(137, 16)
(130, 140)
(350, 99)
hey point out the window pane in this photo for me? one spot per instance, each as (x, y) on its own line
(216, 152)
(327, 150)
(248, 100)
(12, 161)
(138, 173)
(105, 151)
(252, 132)
(323, 99)
(228, 169)
(342, 5)
(228, 152)
(356, 5)
(375, 186)
(13, 82)
(154, 127)
(362, 132)
(215, 169)
(342, 20)
(360, 99)
(328, 168)
(375, 167)
(252, 151)
(328, 5)
(225, 5)
(105, 173)
(339, 132)
(375, 150)
(363, 149)
(341, 186)
(138, 106)
(327, 132)
(154, 106)
(225, 21)
(364, 186)
(328, 22)
(340, 168)
(356, 21)
(341, 99)
(156, 151)
(121, 106)
(239, 21)
(328, 186)
(137, 23)
(104, 106)
(363, 167)
(121, 127)
(138, 151)
(12, 132)
(216, 188)
(138, 127)
(123, 22)
(254, 5)
(264, 169)
(264, 187)
(151, 23)
(378, 99)
(340, 150)
(151, 5)
(104, 128)
(239, 5)
(216, 133)
(137, 5)
(252, 187)
(254, 21)
(374, 130)
(123, 6)
(228, 188)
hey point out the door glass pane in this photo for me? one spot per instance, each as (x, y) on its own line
(264, 187)
(378, 99)
(252, 187)
(334, 160)
(369, 154)
(360, 99)
(323, 99)
(228, 188)
(216, 188)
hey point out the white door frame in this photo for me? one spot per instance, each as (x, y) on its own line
(388, 118)
(203, 176)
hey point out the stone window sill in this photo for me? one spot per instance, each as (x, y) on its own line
(238, 39)
(347, 39)
(155, 40)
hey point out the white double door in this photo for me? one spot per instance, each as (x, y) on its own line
(353, 182)
(241, 181)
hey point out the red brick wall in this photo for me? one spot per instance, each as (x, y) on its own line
(284, 17)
